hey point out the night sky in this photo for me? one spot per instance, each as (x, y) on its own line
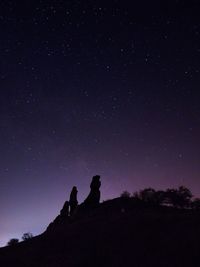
(95, 87)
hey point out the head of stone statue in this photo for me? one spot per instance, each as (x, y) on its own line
(74, 189)
(96, 178)
(96, 183)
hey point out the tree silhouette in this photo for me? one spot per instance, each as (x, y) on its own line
(179, 198)
(27, 236)
(125, 194)
(151, 196)
(160, 197)
(195, 204)
(13, 242)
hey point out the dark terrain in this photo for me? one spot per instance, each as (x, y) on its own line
(120, 232)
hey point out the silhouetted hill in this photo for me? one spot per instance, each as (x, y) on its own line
(120, 232)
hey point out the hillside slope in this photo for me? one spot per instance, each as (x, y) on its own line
(119, 232)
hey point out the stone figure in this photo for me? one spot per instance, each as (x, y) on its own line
(93, 198)
(65, 210)
(73, 202)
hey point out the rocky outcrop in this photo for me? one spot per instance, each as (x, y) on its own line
(71, 211)
(73, 202)
(93, 198)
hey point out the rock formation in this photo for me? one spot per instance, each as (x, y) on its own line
(93, 198)
(71, 211)
(64, 213)
(73, 202)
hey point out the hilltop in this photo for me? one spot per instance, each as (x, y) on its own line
(119, 232)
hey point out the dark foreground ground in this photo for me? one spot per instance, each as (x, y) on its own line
(118, 233)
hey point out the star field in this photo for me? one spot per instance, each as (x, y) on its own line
(91, 87)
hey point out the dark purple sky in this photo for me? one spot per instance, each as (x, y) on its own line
(91, 87)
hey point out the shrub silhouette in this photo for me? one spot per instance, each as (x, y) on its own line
(147, 194)
(13, 242)
(195, 204)
(27, 236)
(125, 194)
(160, 197)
